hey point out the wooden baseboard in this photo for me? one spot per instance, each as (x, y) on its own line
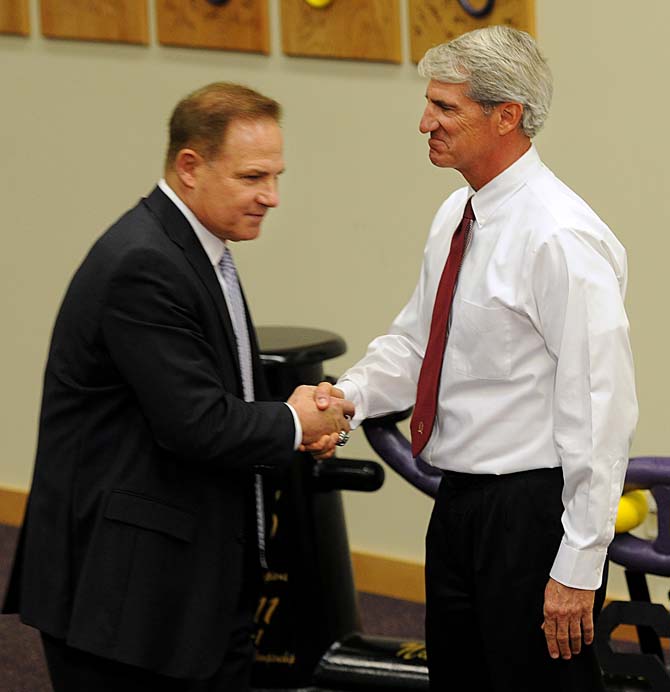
(12, 506)
(388, 577)
(372, 573)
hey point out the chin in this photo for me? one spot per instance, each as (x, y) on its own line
(438, 161)
(247, 235)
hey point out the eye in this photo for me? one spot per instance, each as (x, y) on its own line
(442, 106)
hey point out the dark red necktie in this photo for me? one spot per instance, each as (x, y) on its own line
(423, 417)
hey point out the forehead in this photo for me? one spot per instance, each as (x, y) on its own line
(252, 141)
(448, 92)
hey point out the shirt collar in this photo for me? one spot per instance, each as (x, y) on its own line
(488, 198)
(212, 245)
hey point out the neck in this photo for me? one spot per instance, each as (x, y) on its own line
(172, 179)
(496, 162)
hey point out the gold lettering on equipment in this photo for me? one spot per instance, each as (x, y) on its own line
(412, 650)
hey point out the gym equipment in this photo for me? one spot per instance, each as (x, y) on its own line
(640, 557)
(307, 618)
(633, 509)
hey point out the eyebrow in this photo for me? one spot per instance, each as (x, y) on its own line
(440, 102)
(257, 170)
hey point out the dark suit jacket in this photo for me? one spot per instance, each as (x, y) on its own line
(133, 546)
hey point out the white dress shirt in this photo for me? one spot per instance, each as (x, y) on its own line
(214, 247)
(538, 371)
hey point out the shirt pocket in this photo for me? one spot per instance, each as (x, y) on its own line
(480, 341)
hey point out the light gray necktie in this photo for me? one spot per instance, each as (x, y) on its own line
(239, 318)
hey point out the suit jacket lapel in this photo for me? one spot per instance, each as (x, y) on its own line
(179, 230)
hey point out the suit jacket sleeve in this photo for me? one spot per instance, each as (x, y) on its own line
(152, 324)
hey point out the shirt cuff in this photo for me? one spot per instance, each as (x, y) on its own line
(298, 427)
(579, 569)
(352, 393)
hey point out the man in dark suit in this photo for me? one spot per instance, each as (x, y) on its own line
(139, 550)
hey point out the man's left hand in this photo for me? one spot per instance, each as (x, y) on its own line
(323, 449)
(568, 619)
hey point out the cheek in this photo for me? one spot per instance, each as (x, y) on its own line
(454, 128)
(445, 124)
(222, 214)
(242, 200)
(465, 128)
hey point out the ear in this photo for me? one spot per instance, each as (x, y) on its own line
(509, 117)
(186, 165)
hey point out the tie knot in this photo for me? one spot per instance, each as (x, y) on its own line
(468, 213)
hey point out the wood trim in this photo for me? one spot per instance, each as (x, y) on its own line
(402, 579)
(375, 574)
(12, 506)
(625, 633)
(382, 576)
(391, 577)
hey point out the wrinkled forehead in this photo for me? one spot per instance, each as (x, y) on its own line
(447, 91)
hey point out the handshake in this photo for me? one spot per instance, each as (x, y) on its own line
(324, 414)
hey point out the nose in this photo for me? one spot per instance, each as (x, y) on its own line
(428, 122)
(268, 196)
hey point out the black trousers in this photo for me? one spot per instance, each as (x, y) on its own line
(490, 546)
(72, 670)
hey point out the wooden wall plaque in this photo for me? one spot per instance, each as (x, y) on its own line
(436, 21)
(121, 21)
(14, 17)
(241, 25)
(354, 29)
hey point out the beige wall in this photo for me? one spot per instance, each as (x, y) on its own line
(82, 134)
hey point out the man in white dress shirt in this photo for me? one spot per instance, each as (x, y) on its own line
(536, 402)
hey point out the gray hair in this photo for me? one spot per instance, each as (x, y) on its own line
(499, 64)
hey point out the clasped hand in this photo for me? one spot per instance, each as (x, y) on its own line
(323, 412)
